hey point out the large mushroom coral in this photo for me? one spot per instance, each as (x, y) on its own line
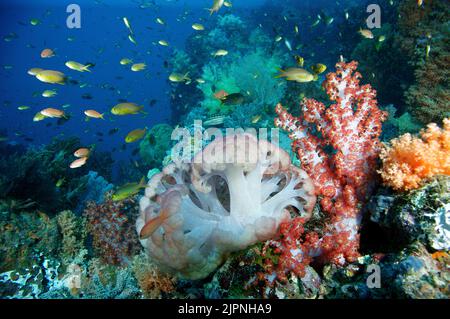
(235, 193)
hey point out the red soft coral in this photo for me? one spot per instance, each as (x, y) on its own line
(351, 128)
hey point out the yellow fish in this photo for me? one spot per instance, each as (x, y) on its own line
(217, 4)
(135, 135)
(256, 118)
(177, 77)
(49, 93)
(318, 68)
(77, 66)
(164, 43)
(34, 71)
(220, 53)
(53, 77)
(300, 60)
(127, 24)
(138, 67)
(127, 109)
(39, 117)
(128, 190)
(296, 74)
(125, 61)
(60, 182)
(198, 27)
(132, 39)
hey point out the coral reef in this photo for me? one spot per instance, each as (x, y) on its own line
(343, 176)
(155, 144)
(42, 176)
(235, 193)
(111, 226)
(419, 215)
(411, 273)
(74, 233)
(106, 281)
(395, 125)
(423, 36)
(153, 283)
(24, 236)
(341, 161)
(95, 188)
(252, 74)
(410, 160)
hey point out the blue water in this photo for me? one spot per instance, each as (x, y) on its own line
(103, 41)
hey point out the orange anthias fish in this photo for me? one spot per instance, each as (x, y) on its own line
(82, 152)
(79, 162)
(153, 224)
(47, 53)
(220, 94)
(53, 113)
(170, 205)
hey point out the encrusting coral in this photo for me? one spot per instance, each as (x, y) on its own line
(410, 160)
(235, 193)
(343, 176)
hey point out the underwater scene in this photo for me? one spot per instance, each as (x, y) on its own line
(225, 149)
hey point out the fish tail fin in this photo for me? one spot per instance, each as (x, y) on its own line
(187, 78)
(102, 116)
(143, 112)
(281, 73)
(142, 183)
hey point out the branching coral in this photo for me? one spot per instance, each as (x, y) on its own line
(343, 175)
(110, 225)
(73, 233)
(153, 283)
(410, 160)
(235, 193)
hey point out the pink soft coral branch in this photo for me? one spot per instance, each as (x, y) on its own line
(351, 127)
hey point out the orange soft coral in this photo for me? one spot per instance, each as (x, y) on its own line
(409, 160)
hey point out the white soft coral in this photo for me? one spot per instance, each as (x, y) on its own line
(236, 193)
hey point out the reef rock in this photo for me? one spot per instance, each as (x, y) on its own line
(422, 214)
